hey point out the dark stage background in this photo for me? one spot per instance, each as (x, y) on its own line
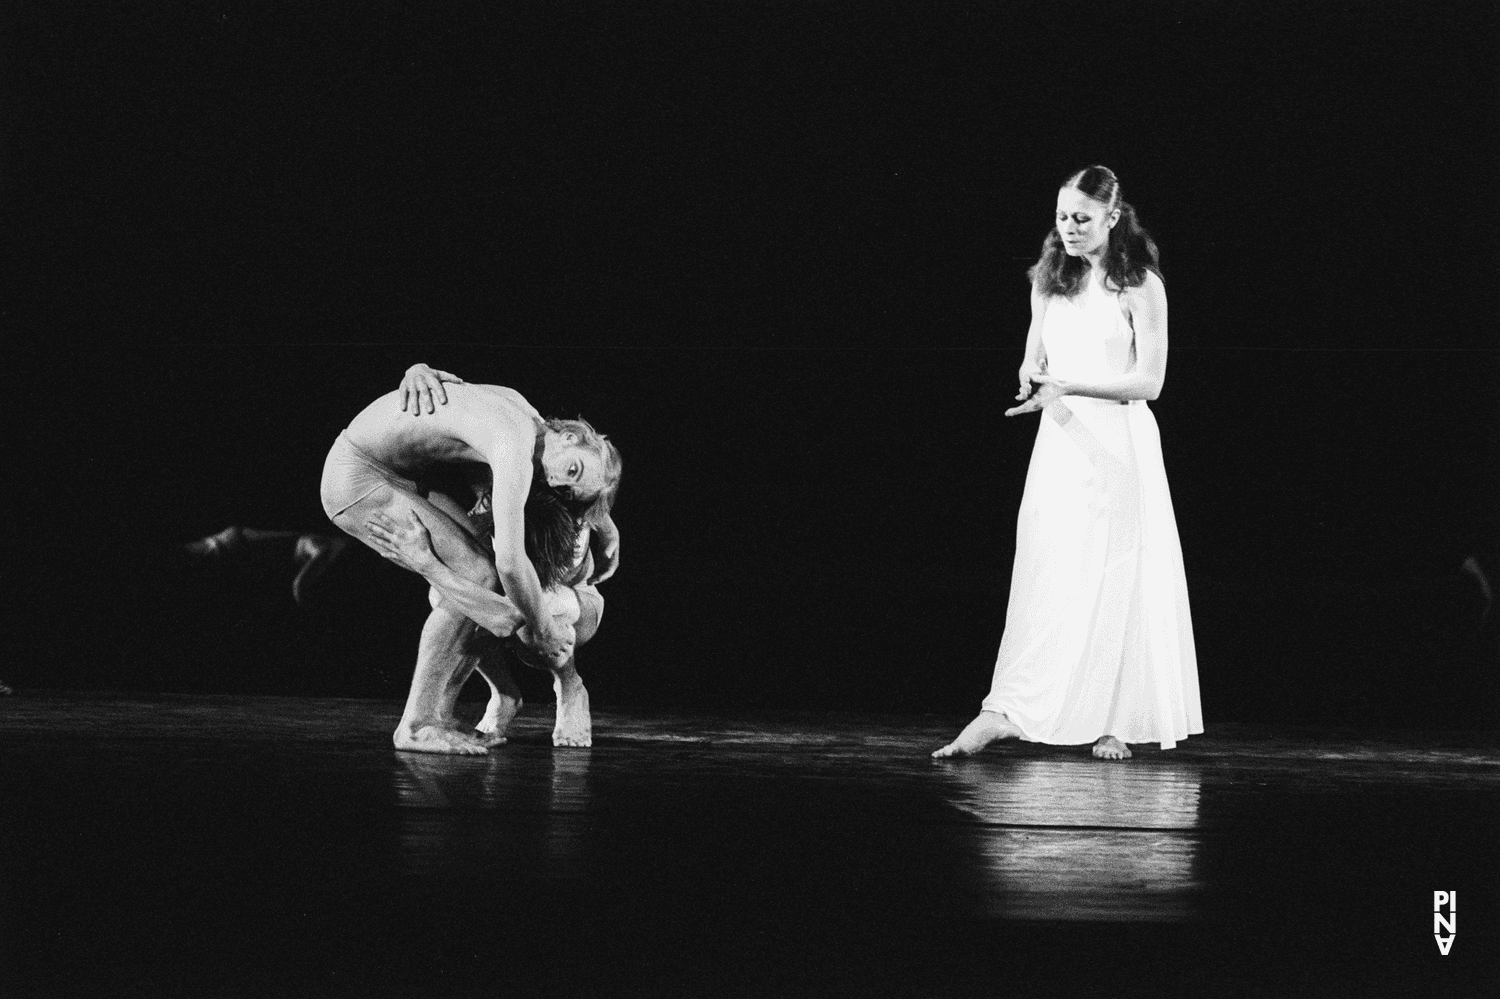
(777, 252)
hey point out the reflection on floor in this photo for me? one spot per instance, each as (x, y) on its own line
(1069, 838)
(262, 846)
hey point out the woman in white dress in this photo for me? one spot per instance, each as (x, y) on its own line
(1098, 643)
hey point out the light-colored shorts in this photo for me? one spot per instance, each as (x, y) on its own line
(350, 474)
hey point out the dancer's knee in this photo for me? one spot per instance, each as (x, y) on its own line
(590, 613)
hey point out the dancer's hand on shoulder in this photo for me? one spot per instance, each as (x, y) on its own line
(409, 545)
(422, 382)
(1049, 390)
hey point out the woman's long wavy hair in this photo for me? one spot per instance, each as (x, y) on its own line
(551, 535)
(1130, 254)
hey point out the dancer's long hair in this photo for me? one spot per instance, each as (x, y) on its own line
(551, 533)
(1130, 255)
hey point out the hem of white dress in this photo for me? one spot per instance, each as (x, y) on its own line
(1169, 743)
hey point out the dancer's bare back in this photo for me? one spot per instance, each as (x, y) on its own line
(486, 424)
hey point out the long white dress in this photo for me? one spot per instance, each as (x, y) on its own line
(1098, 637)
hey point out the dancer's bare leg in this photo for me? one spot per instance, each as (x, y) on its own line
(445, 655)
(487, 656)
(482, 653)
(427, 724)
(1110, 748)
(574, 725)
(983, 730)
(504, 705)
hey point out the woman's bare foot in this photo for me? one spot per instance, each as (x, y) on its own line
(574, 724)
(437, 739)
(1110, 748)
(498, 715)
(983, 730)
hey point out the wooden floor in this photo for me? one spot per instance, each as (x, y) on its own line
(207, 846)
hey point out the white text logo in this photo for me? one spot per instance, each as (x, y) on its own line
(1444, 923)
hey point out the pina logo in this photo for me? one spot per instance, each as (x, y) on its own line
(1444, 922)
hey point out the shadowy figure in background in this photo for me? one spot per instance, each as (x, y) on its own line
(311, 553)
(1473, 569)
(1441, 653)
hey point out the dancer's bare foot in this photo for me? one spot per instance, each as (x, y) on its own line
(1110, 748)
(574, 726)
(983, 730)
(498, 715)
(437, 739)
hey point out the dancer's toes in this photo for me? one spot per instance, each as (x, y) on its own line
(438, 739)
(983, 730)
(1110, 748)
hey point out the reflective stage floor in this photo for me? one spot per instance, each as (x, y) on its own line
(237, 846)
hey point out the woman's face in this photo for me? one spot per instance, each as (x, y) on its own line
(574, 471)
(1083, 223)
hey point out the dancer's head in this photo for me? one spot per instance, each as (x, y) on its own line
(1093, 222)
(551, 536)
(583, 466)
(1088, 209)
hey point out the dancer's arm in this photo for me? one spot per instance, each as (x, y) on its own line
(501, 618)
(510, 469)
(497, 615)
(486, 608)
(605, 544)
